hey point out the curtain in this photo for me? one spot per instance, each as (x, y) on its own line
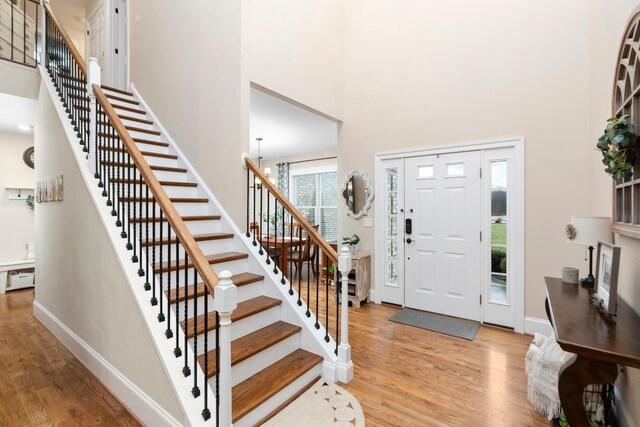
(283, 178)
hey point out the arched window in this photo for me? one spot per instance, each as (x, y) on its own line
(626, 100)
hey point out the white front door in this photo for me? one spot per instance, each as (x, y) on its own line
(96, 39)
(120, 53)
(443, 211)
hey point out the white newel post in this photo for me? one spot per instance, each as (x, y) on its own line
(93, 77)
(225, 302)
(345, 366)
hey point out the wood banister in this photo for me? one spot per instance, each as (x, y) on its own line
(209, 277)
(311, 231)
(72, 47)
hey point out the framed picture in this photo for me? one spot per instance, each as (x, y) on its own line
(607, 267)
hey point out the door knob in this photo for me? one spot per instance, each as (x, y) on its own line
(409, 240)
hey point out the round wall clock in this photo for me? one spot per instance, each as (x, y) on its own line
(28, 157)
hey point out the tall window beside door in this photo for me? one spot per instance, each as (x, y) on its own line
(314, 193)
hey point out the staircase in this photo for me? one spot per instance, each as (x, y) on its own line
(245, 340)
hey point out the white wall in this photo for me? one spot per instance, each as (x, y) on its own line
(19, 80)
(185, 60)
(72, 16)
(429, 73)
(80, 280)
(608, 22)
(16, 218)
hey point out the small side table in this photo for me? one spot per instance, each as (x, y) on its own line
(359, 280)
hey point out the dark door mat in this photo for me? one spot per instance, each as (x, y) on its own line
(460, 328)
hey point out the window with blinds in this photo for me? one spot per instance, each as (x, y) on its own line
(315, 194)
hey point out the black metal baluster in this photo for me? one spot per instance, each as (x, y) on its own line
(136, 200)
(326, 301)
(99, 153)
(318, 276)
(271, 246)
(275, 239)
(168, 332)
(308, 313)
(141, 200)
(254, 211)
(185, 369)
(133, 218)
(147, 285)
(117, 158)
(121, 190)
(299, 272)
(195, 391)
(206, 413)
(158, 270)
(108, 179)
(338, 289)
(248, 189)
(154, 299)
(177, 351)
(261, 218)
(289, 254)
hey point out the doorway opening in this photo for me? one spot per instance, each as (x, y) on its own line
(450, 231)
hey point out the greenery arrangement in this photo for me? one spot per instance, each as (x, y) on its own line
(618, 147)
(30, 202)
(351, 241)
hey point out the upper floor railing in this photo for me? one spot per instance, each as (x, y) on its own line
(19, 41)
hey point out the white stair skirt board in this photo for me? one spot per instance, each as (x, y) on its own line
(134, 399)
(323, 405)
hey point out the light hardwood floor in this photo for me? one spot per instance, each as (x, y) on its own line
(404, 376)
(41, 383)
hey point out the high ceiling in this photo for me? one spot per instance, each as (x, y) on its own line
(15, 111)
(288, 130)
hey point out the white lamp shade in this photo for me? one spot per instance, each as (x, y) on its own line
(267, 171)
(591, 229)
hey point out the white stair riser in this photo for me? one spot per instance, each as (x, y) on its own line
(144, 135)
(235, 267)
(207, 247)
(124, 112)
(136, 124)
(171, 176)
(244, 326)
(270, 405)
(161, 161)
(195, 227)
(153, 148)
(264, 359)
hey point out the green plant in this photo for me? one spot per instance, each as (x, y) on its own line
(331, 270)
(15, 2)
(564, 423)
(30, 202)
(498, 260)
(618, 147)
(351, 241)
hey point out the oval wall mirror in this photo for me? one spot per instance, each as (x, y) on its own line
(357, 194)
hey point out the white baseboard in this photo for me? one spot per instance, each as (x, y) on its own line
(624, 417)
(135, 400)
(534, 325)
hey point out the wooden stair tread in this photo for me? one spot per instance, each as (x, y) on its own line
(144, 153)
(172, 199)
(252, 344)
(241, 279)
(163, 183)
(197, 237)
(245, 309)
(150, 142)
(142, 130)
(115, 89)
(131, 109)
(185, 218)
(80, 107)
(122, 99)
(153, 167)
(256, 390)
(70, 77)
(211, 259)
(135, 119)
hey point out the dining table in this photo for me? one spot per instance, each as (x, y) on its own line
(283, 243)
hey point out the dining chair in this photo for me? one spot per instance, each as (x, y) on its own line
(307, 252)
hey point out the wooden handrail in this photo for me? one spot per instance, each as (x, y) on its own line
(311, 231)
(72, 47)
(209, 277)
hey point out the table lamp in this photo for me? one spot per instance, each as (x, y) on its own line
(587, 231)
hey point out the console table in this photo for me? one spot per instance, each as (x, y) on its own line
(599, 344)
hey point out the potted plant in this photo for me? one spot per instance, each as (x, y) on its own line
(618, 147)
(352, 242)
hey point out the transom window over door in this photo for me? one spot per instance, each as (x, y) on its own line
(626, 100)
(314, 193)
